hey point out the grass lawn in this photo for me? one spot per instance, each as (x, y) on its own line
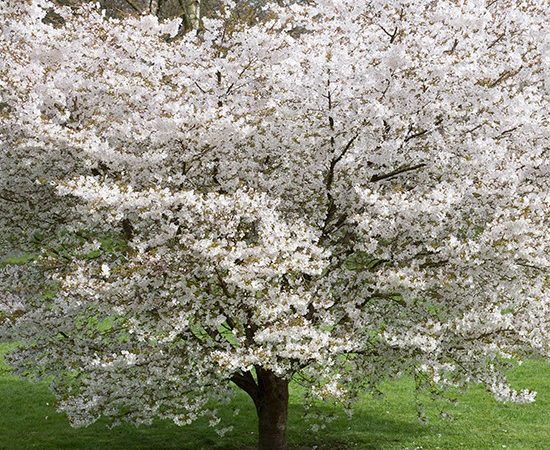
(28, 420)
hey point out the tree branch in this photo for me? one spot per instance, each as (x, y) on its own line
(415, 135)
(330, 179)
(504, 76)
(396, 172)
(336, 160)
(247, 383)
(391, 35)
(133, 6)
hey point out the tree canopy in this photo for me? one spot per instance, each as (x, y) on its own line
(338, 193)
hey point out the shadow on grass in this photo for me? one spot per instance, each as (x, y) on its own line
(369, 428)
(28, 420)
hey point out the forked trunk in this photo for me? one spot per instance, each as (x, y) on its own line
(272, 409)
(270, 395)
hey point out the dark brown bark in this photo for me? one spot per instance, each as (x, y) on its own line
(272, 409)
(270, 395)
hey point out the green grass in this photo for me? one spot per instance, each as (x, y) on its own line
(28, 420)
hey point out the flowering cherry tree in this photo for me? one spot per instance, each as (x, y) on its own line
(340, 193)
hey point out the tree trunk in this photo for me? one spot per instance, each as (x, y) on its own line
(194, 11)
(191, 14)
(154, 7)
(272, 408)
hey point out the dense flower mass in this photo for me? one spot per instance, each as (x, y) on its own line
(342, 192)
